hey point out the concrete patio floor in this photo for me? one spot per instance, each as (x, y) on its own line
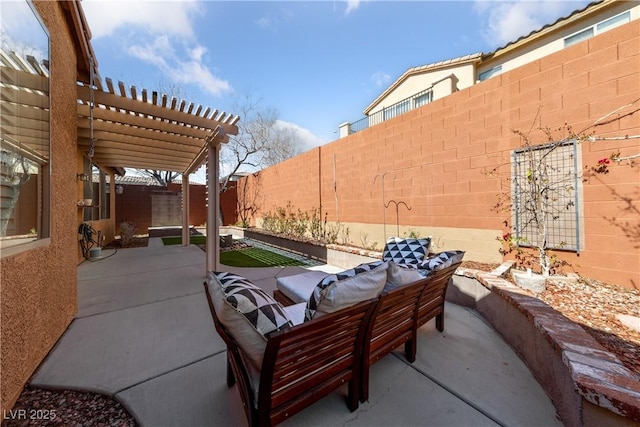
(144, 335)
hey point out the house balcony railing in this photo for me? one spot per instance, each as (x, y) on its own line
(417, 100)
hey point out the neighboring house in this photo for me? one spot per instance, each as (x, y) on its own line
(420, 85)
(60, 124)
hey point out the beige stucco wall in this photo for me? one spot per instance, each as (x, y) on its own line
(465, 74)
(480, 245)
(38, 286)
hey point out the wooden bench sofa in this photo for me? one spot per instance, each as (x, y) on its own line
(302, 363)
(398, 316)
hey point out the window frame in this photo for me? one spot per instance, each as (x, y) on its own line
(42, 204)
(494, 71)
(598, 28)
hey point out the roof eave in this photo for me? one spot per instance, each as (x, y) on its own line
(82, 37)
(576, 15)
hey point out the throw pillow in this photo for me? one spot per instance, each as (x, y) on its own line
(249, 313)
(440, 261)
(401, 275)
(342, 290)
(406, 251)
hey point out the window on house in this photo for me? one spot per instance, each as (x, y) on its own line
(605, 25)
(490, 73)
(578, 37)
(546, 194)
(24, 134)
(616, 21)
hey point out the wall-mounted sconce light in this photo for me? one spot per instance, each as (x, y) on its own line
(83, 177)
(119, 189)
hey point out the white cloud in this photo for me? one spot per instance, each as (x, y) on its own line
(380, 79)
(276, 19)
(306, 139)
(194, 72)
(159, 17)
(264, 22)
(504, 22)
(351, 6)
(159, 33)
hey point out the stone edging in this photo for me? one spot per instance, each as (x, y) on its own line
(598, 376)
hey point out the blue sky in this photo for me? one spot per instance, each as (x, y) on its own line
(318, 63)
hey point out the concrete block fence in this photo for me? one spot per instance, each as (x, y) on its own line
(436, 158)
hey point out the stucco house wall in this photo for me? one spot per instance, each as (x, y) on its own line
(464, 73)
(38, 286)
(436, 158)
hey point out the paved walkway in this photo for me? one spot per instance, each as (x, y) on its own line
(144, 334)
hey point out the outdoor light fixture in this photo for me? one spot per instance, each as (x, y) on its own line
(83, 177)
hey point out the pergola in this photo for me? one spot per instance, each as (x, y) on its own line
(120, 128)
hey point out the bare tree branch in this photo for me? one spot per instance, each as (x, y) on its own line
(260, 141)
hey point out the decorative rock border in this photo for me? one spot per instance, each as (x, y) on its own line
(588, 385)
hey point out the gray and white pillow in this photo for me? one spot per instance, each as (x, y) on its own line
(347, 288)
(399, 275)
(406, 251)
(249, 313)
(440, 261)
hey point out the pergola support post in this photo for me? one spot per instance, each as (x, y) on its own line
(213, 206)
(185, 210)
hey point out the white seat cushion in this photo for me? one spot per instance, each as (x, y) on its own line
(299, 287)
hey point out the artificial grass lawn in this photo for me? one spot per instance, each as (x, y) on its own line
(177, 240)
(255, 257)
(251, 257)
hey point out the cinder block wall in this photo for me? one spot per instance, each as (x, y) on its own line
(436, 159)
(134, 205)
(38, 286)
(197, 202)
